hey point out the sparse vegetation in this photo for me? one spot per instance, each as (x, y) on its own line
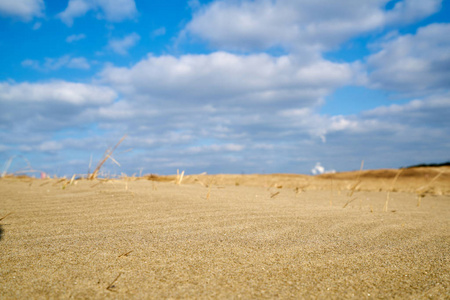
(107, 155)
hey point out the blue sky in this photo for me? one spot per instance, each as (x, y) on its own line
(232, 86)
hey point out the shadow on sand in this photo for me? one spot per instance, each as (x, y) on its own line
(1, 232)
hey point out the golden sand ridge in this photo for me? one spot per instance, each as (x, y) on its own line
(364, 234)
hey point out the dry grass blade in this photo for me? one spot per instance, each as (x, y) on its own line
(125, 254)
(348, 202)
(274, 195)
(107, 155)
(179, 177)
(72, 179)
(358, 182)
(391, 189)
(421, 191)
(6, 166)
(5, 216)
(208, 195)
(111, 285)
(59, 181)
(100, 182)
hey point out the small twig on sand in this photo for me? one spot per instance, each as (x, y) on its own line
(111, 285)
(5, 216)
(274, 194)
(348, 202)
(125, 254)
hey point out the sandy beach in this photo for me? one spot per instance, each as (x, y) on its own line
(355, 235)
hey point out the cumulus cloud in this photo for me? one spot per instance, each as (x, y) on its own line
(200, 138)
(409, 11)
(75, 37)
(111, 10)
(296, 24)
(224, 77)
(413, 63)
(255, 112)
(121, 46)
(430, 112)
(23, 9)
(52, 64)
(159, 32)
(253, 108)
(253, 101)
(33, 113)
(54, 92)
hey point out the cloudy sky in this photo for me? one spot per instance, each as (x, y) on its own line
(231, 86)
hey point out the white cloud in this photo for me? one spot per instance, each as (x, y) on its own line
(413, 63)
(33, 112)
(228, 139)
(409, 11)
(226, 112)
(54, 92)
(50, 146)
(78, 63)
(159, 32)
(222, 96)
(75, 37)
(121, 46)
(111, 10)
(293, 24)
(216, 148)
(52, 64)
(37, 25)
(432, 112)
(23, 9)
(228, 78)
(194, 4)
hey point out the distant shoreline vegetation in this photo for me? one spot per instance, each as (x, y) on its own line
(428, 165)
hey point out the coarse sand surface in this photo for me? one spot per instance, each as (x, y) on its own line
(228, 237)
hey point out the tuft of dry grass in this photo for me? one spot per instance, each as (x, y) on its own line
(353, 187)
(106, 156)
(357, 182)
(179, 177)
(391, 189)
(27, 170)
(421, 191)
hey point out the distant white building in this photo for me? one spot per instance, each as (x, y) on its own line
(319, 169)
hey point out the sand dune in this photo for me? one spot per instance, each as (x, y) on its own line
(228, 236)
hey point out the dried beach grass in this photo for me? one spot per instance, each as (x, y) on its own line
(391, 189)
(179, 177)
(357, 181)
(106, 156)
(421, 191)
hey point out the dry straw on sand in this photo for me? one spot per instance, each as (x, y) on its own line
(106, 156)
(391, 189)
(421, 191)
